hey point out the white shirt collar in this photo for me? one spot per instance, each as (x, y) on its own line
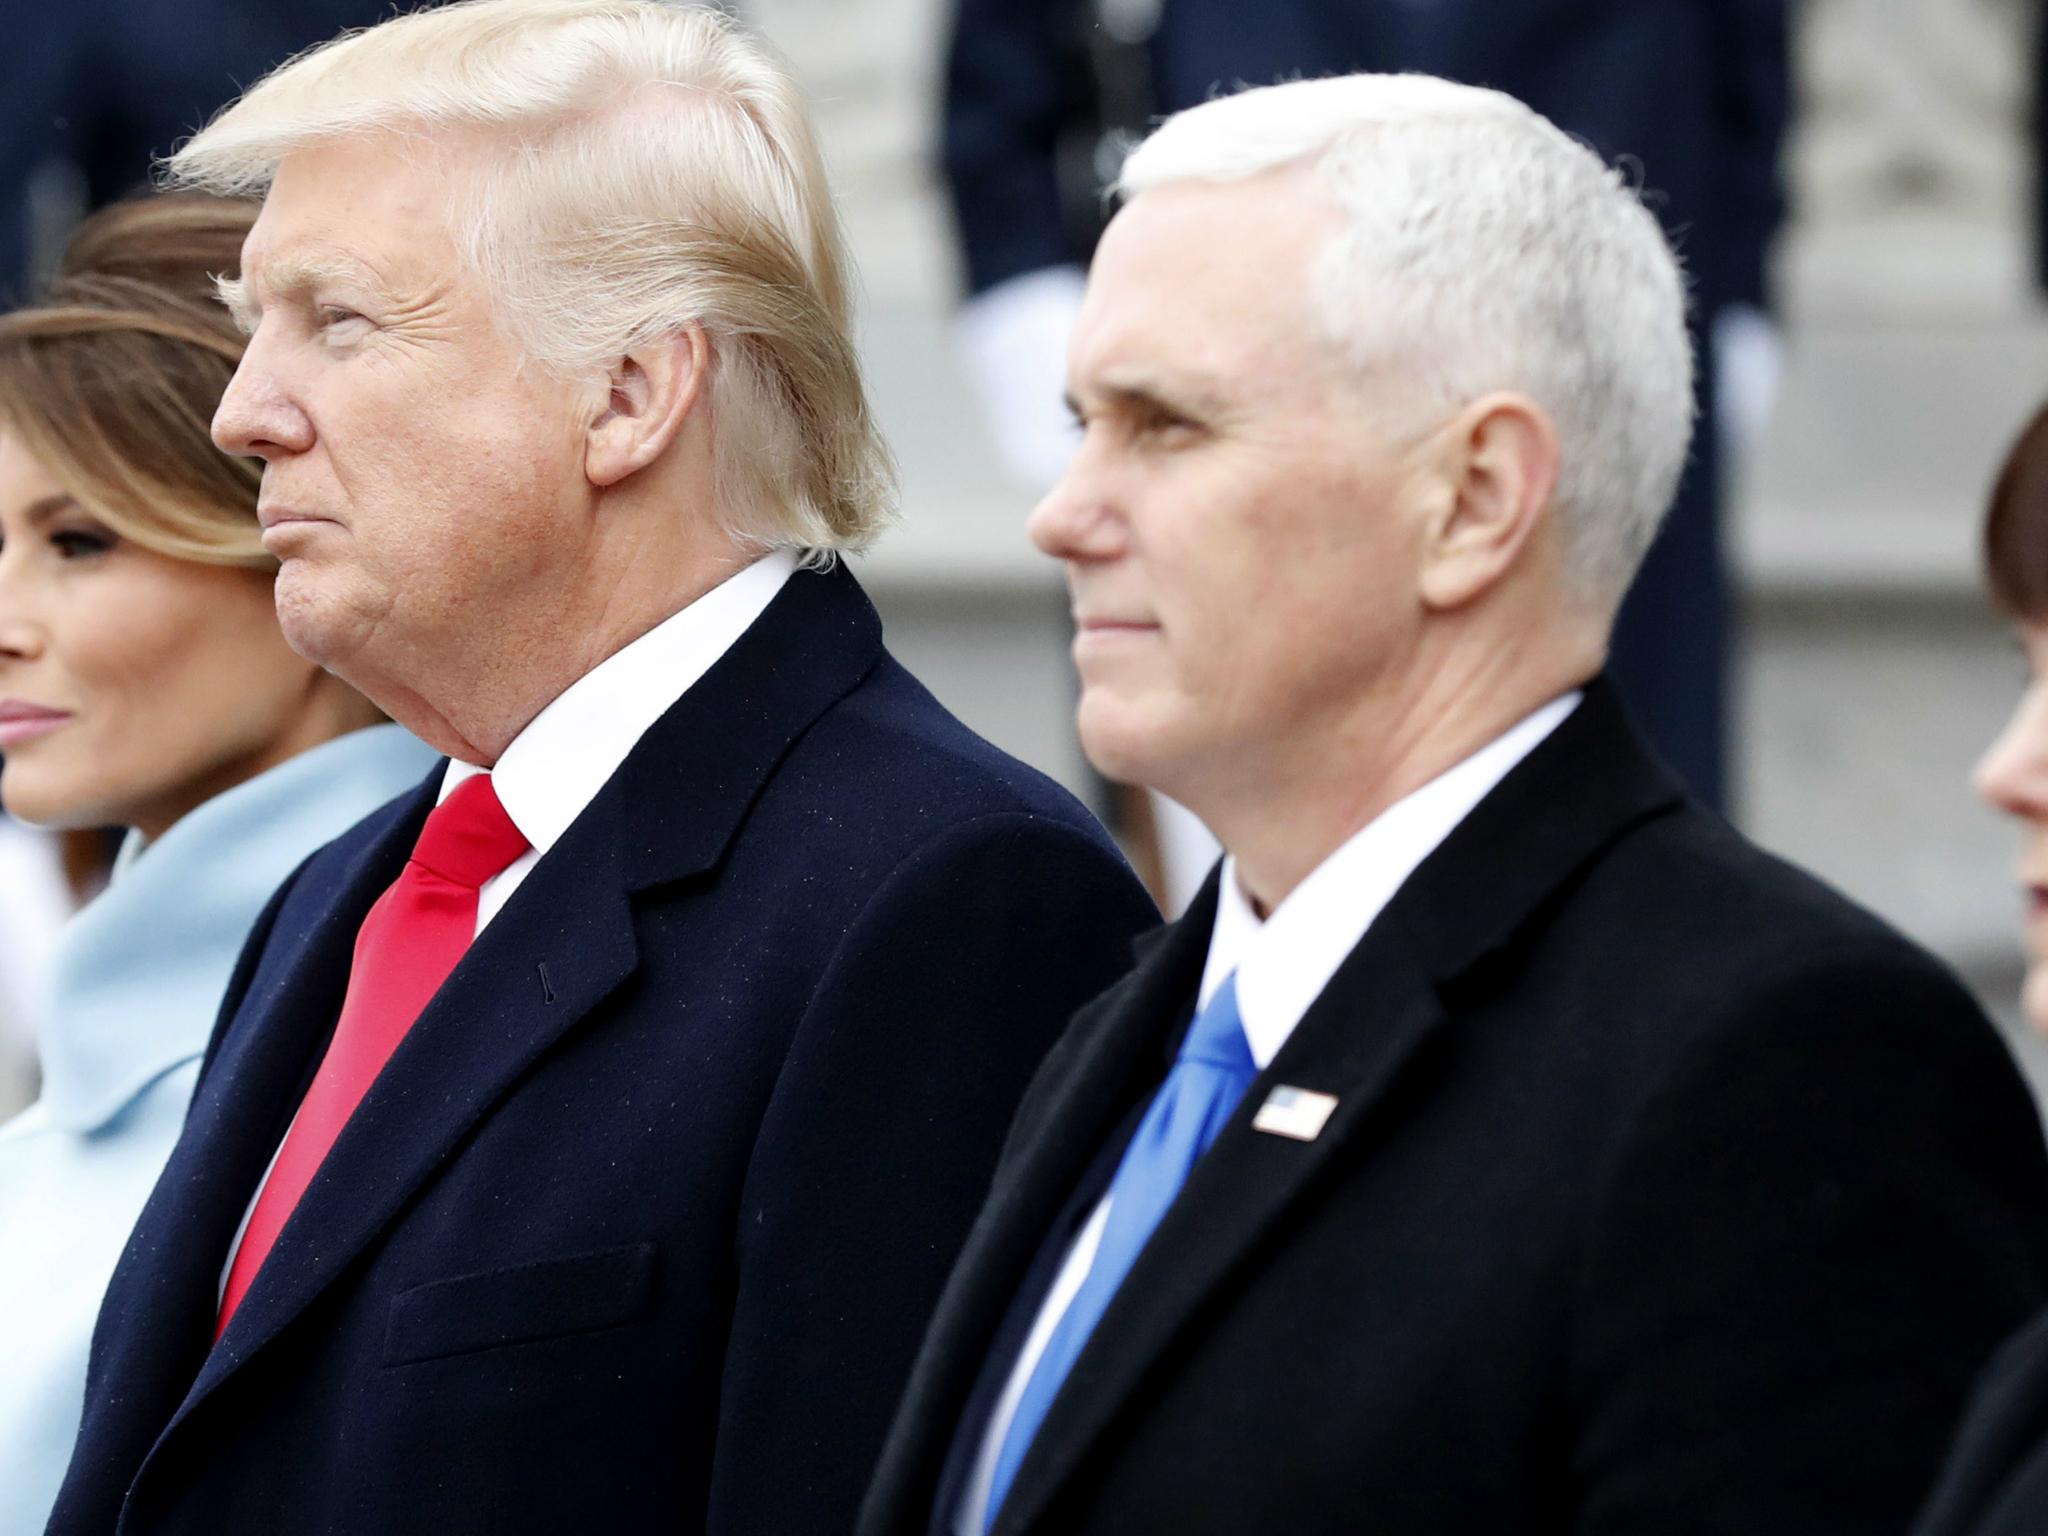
(1283, 963)
(554, 768)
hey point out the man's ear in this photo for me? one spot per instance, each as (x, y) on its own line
(652, 391)
(1499, 468)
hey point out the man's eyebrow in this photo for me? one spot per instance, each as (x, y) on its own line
(288, 277)
(234, 293)
(1145, 396)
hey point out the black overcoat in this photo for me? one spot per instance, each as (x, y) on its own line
(1667, 1193)
(639, 1227)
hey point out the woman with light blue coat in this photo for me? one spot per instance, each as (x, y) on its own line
(144, 683)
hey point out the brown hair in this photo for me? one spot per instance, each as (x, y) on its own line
(110, 380)
(2016, 527)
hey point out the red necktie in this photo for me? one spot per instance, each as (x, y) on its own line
(407, 945)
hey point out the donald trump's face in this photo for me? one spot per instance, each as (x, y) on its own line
(422, 483)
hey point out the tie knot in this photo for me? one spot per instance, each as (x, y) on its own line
(468, 837)
(1216, 1038)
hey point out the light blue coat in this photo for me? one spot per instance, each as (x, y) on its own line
(138, 978)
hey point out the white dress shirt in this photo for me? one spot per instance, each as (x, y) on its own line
(1282, 965)
(554, 768)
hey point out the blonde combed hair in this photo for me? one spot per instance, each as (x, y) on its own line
(645, 167)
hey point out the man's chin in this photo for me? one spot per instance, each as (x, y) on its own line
(1122, 742)
(323, 630)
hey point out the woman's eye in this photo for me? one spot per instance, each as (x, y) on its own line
(79, 544)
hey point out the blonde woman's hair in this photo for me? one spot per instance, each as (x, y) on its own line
(645, 167)
(110, 380)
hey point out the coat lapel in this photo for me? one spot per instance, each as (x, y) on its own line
(561, 945)
(1566, 803)
(257, 1069)
(1243, 1187)
(493, 1017)
(1109, 1056)
(1997, 1463)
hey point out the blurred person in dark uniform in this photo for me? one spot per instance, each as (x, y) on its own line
(1691, 96)
(92, 92)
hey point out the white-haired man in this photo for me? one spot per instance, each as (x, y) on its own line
(1500, 1143)
(587, 1134)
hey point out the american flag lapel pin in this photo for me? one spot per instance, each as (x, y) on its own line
(1295, 1112)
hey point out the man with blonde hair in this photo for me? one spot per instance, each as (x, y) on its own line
(587, 1133)
(1500, 1143)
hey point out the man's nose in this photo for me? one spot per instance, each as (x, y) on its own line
(1077, 519)
(257, 416)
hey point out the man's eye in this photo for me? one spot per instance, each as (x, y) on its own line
(333, 317)
(1163, 424)
(79, 544)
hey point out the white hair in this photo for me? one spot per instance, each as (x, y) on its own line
(644, 167)
(1483, 249)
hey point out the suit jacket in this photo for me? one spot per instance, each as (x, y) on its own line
(1996, 1481)
(638, 1228)
(1666, 1192)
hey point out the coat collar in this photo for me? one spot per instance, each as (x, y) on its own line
(1570, 800)
(1564, 805)
(563, 943)
(698, 771)
(551, 771)
(139, 973)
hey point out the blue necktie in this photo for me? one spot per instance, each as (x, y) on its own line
(1208, 1078)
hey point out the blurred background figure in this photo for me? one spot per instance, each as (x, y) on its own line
(1693, 96)
(1996, 1480)
(92, 93)
(2013, 776)
(144, 684)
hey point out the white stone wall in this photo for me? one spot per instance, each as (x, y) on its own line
(1909, 169)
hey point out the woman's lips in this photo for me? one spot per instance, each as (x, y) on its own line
(21, 721)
